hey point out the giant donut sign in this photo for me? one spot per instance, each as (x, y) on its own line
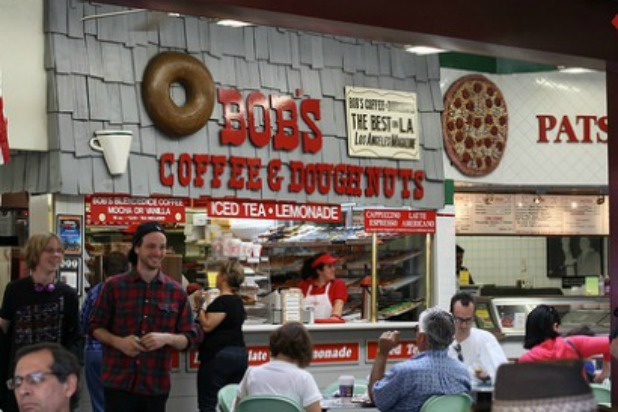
(168, 68)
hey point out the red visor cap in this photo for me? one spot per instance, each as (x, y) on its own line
(325, 259)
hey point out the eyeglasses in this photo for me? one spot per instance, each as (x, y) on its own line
(33, 378)
(463, 320)
(458, 350)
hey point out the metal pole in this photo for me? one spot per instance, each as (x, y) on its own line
(374, 278)
(428, 288)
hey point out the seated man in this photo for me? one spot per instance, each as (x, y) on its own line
(477, 348)
(46, 378)
(409, 384)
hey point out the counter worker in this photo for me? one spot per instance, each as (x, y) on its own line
(326, 294)
(140, 317)
(38, 308)
(478, 349)
(462, 272)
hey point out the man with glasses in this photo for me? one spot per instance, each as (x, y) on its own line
(46, 379)
(477, 348)
(37, 308)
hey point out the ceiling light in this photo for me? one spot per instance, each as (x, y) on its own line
(233, 23)
(537, 199)
(574, 70)
(600, 200)
(422, 50)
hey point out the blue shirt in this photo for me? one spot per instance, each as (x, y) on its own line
(407, 385)
(84, 317)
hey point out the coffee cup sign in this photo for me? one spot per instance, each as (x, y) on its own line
(115, 146)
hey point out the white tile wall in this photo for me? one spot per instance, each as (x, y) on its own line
(502, 260)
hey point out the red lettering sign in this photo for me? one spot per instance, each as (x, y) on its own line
(258, 355)
(248, 173)
(580, 129)
(402, 221)
(404, 350)
(286, 137)
(336, 353)
(125, 210)
(313, 212)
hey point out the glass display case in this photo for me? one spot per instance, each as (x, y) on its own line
(509, 313)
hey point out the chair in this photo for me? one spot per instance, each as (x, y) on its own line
(270, 403)
(226, 397)
(360, 388)
(542, 387)
(601, 393)
(452, 403)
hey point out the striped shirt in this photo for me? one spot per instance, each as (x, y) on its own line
(129, 306)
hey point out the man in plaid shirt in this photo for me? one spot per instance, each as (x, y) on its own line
(140, 317)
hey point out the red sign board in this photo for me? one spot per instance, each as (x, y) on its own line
(126, 210)
(402, 221)
(326, 353)
(265, 209)
(193, 362)
(336, 353)
(404, 350)
(258, 355)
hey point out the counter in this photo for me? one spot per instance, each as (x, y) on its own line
(339, 349)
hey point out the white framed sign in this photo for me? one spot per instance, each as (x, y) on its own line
(382, 123)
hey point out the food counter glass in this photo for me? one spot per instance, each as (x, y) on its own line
(506, 316)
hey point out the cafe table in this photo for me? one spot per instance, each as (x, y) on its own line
(343, 404)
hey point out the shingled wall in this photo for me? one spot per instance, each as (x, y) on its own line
(94, 72)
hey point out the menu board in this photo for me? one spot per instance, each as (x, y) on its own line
(518, 214)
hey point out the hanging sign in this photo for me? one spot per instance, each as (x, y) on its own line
(264, 209)
(126, 210)
(382, 123)
(401, 221)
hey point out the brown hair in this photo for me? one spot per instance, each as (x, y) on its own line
(115, 263)
(293, 341)
(35, 246)
(234, 273)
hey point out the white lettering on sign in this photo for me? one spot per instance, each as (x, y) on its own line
(335, 354)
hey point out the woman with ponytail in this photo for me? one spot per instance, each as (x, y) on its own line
(222, 354)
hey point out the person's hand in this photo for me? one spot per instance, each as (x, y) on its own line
(600, 376)
(388, 340)
(154, 340)
(129, 345)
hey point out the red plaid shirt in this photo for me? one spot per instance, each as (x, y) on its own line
(129, 306)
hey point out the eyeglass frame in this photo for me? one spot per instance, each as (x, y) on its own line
(33, 379)
(463, 320)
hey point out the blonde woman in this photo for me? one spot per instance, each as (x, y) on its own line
(223, 355)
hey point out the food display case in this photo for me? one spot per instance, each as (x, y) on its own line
(510, 313)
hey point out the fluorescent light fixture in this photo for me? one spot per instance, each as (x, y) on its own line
(574, 70)
(233, 23)
(422, 50)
